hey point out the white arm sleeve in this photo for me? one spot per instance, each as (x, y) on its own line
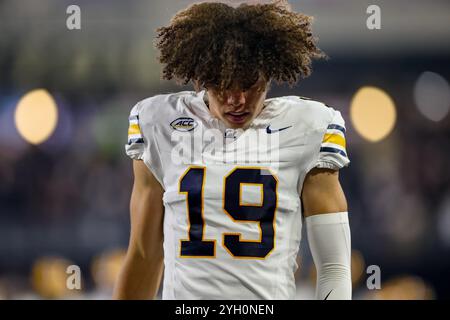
(329, 241)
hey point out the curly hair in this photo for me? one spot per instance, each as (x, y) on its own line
(215, 44)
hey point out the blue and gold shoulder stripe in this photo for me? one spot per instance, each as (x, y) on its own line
(135, 146)
(334, 140)
(134, 131)
(333, 153)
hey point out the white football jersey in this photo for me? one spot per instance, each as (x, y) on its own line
(233, 213)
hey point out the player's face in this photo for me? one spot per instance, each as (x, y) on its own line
(235, 107)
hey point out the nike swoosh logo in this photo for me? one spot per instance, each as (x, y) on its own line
(328, 295)
(269, 131)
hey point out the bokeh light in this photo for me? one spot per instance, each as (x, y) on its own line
(372, 113)
(36, 116)
(106, 267)
(405, 287)
(358, 266)
(49, 277)
(432, 96)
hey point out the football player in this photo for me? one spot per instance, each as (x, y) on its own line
(223, 176)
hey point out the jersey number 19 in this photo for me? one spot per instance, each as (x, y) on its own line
(192, 185)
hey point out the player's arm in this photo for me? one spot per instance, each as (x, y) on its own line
(141, 273)
(325, 211)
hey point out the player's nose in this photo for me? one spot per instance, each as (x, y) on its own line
(236, 98)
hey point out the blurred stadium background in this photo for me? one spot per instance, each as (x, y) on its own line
(65, 181)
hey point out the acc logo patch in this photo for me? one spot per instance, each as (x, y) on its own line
(184, 124)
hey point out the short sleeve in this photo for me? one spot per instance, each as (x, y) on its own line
(135, 146)
(333, 153)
